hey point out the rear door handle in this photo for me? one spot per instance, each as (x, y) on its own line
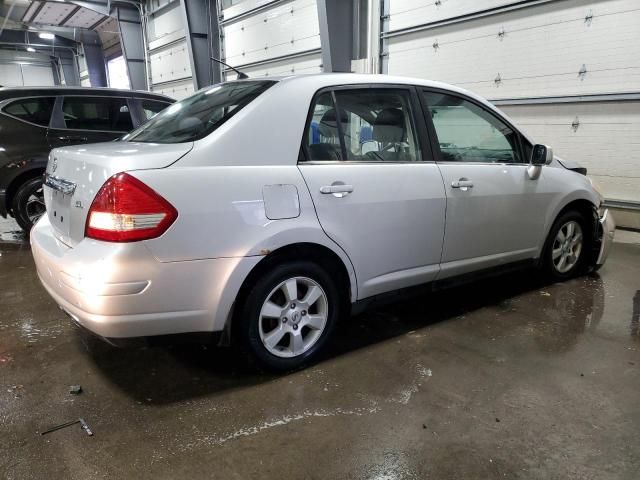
(463, 184)
(338, 190)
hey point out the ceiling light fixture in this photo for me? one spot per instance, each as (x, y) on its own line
(46, 36)
(31, 49)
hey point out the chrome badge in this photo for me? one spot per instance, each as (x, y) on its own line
(54, 164)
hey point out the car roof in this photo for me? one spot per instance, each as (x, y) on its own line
(14, 92)
(318, 81)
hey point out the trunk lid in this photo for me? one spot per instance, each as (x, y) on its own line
(75, 174)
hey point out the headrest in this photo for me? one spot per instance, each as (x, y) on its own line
(389, 126)
(328, 123)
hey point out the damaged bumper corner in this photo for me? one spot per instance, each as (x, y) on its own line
(607, 230)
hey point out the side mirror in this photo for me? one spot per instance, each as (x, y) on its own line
(541, 155)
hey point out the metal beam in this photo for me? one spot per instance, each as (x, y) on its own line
(131, 39)
(202, 29)
(95, 64)
(336, 37)
(70, 71)
(606, 97)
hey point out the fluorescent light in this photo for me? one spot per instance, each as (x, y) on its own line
(31, 49)
(46, 36)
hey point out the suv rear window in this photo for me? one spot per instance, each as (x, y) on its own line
(34, 110)
(197, 116)
(151, 108)
(97, 113)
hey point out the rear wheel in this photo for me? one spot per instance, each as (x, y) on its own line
(289, 315)
(28, 203)
(566, 249)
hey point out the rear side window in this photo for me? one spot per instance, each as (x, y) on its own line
(197, 116)
(33, 110)
(150, 108)
(369, 125)
(91, 113)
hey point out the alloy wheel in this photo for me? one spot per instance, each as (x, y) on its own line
(567, 247)
(35, 207)
(293, 317)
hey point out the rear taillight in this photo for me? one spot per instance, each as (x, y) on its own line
(127, 210)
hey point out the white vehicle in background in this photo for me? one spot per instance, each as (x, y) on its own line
(266, 209)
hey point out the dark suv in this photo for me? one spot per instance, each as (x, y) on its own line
(35, 120)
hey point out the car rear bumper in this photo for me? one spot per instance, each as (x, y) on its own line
(608, 227)
(121, 290)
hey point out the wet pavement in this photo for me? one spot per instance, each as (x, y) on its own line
(506, 378)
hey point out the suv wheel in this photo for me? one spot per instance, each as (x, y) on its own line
(566, 249)
(28, 203)
(289, 315)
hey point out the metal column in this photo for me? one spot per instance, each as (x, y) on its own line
(130, 25)
(95, 64)
(202, 30)
(336, 34)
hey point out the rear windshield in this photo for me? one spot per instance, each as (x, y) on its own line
(197, 116)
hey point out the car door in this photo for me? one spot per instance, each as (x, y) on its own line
(377, 192)
(89, 119)
(495, 211)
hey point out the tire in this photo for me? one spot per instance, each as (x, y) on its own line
(279, 330)
(28, 203)
(561, 261)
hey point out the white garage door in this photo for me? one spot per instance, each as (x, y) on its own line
(170, 67)
(18, 75)
(277, 40)
(602, 136)
(560, 48)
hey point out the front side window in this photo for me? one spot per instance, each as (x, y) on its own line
(364, 125)
(97, 113)
(469, 133)
(197, 116)
(33, 110)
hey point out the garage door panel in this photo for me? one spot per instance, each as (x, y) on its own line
(409, 13)
(301, 65)
(283, 30)
(602, 136)
(473, 54)
(170, 63)
(11, 75)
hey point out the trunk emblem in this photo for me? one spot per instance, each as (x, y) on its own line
(54, 164)
(78, 204)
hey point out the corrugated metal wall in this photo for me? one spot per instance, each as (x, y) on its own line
(536, 49)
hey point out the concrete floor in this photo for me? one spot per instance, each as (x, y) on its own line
(502, 379)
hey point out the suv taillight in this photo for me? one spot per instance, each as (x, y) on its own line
(127, 210)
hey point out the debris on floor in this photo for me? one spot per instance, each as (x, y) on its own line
(81, 421)
(75, 389)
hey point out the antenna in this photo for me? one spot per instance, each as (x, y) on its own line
(241, 75)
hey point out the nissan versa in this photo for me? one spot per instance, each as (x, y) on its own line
(267, 209)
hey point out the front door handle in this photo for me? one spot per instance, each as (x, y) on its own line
(337, 189)
(463, 184)
(72, 139)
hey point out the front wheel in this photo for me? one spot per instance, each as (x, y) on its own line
(289, 315)
(28, 203)
(566, 250)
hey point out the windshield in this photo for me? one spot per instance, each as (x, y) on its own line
(197, 116)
